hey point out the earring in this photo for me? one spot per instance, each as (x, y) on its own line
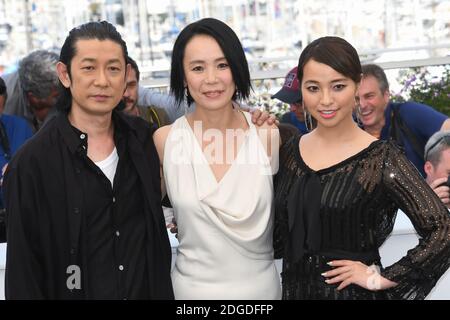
(188, 97)
(236, 95)
(308, 119)
(358, 115)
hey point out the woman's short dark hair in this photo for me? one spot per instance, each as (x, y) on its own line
(231, 47)
(92, 30)
(334, 52)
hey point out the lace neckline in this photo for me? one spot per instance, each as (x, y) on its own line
(359, 154)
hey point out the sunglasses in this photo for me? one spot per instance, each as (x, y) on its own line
(445, 138)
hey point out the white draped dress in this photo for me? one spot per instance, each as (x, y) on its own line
(224, 228)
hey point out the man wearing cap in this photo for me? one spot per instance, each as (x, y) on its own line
(14, 131)
(290, 93)
(437, 164)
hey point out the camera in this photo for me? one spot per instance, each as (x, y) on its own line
(447, 183)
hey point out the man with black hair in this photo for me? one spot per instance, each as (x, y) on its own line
(83, 196)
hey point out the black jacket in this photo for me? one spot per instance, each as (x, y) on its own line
(45, 227)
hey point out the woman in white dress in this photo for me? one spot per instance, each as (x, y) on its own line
(217, 168)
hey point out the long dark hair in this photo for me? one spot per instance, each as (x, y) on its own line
(231, 47)
(92, 30)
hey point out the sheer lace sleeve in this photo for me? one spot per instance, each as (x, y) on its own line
(417, 272)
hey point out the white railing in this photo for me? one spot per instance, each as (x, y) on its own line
(413, 48)
(281, 73)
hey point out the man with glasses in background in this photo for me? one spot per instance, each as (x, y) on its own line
(437, 164)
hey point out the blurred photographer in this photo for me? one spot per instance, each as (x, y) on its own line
(14, 131)
(437, 165)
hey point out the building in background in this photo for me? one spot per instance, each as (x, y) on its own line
(267, 28)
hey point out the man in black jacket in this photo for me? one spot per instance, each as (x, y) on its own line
(84, 218)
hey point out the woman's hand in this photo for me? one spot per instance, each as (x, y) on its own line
(173, 227)
(260, 117)
(348, 272)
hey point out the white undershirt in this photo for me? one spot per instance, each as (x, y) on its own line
(109, 165)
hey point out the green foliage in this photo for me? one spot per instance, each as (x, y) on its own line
(423, 86)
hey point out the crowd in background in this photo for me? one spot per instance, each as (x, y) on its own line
(31, 100)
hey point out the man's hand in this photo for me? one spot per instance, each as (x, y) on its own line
(440, 187)
(260, 117)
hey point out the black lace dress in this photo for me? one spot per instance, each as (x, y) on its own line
(347, 211)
